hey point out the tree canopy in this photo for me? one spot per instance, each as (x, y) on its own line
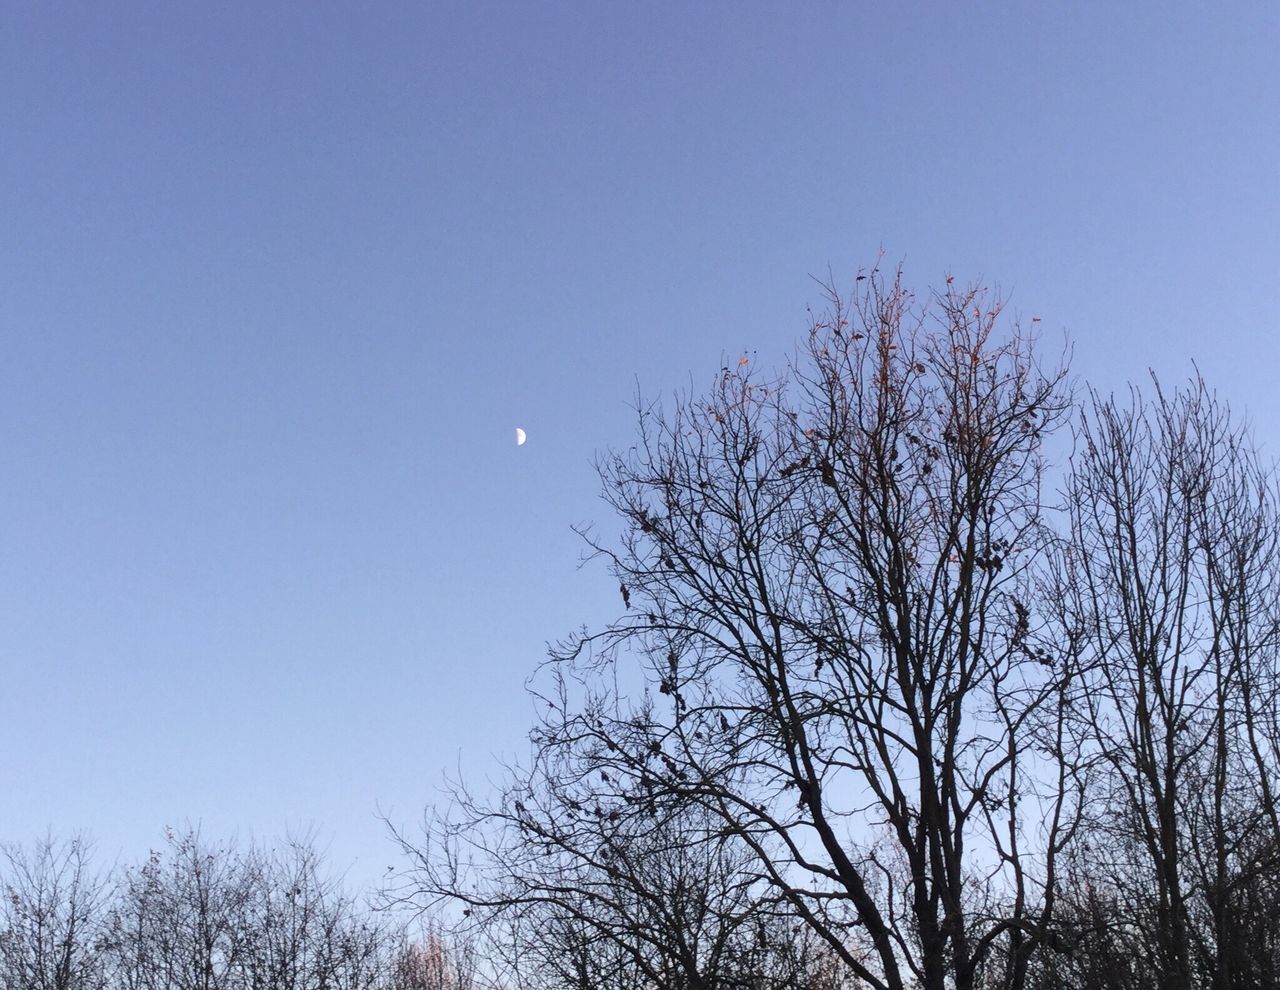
(963, 670)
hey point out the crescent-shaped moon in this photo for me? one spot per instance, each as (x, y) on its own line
(521, 437)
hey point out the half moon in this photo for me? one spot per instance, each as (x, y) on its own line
(521, 437)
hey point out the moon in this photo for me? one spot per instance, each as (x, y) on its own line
(521, 437)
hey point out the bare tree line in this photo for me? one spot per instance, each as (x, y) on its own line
(934, 669)
(201, 916)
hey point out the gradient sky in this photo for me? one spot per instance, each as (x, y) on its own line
(278, 282)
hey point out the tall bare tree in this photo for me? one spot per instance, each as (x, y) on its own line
(829, 589)
(1171, 588)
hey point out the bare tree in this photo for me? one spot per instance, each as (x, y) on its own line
(49, 916)
(1170, 595)
(181, 919)
(829, 586)
(304, 931)
(197, 916)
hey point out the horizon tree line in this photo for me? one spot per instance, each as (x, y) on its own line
(200, 915)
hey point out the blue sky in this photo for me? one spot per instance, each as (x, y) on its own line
(277, 283)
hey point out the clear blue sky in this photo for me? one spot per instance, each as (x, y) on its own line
(278, 282)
